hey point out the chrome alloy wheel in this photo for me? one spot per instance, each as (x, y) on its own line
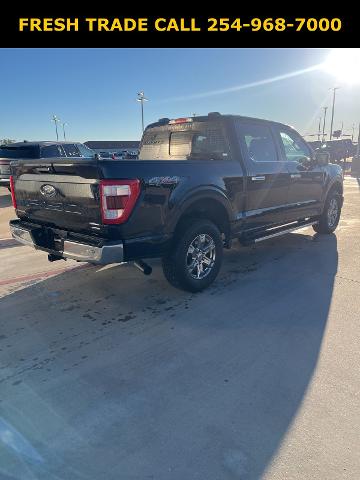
(200, 257)
(333, 212)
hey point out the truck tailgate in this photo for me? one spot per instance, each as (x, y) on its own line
(61, 194)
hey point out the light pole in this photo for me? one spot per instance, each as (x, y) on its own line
(64, 124)
(323, 131)
(319, 129)
(141, 98)
(333, 108)
(56, 120)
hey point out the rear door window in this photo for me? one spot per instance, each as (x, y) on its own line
(71, 150)
(258, 141)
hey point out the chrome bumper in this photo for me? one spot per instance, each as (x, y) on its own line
(108, 253)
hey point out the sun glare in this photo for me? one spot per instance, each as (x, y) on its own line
(344, 65)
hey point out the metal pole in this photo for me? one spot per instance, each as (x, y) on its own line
(358, 145)
(141, 98)
(63, 126)
(142, 114)
(332, 111)
(56, 120)
(323, 131)
(319, 129)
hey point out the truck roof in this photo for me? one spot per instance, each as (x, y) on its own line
(216, 116)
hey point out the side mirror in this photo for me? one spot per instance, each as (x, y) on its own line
(322, 158)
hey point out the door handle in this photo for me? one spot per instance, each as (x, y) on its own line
(295, 175)
(260, 178)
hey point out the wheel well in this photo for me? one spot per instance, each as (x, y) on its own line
(210, 209)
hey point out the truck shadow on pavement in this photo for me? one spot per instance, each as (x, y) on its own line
(110, 374)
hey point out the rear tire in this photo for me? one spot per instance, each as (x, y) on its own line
(331, 215)
(195, 259)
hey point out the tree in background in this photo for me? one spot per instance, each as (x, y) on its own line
(6, 141)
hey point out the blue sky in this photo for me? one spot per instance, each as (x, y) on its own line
(94, 90)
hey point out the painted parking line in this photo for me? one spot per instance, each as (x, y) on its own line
(41, 275)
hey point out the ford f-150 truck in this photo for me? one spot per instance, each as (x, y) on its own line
(198, 184)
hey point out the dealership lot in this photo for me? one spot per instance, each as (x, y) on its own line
(108, 374)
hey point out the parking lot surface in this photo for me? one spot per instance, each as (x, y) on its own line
(108, 374)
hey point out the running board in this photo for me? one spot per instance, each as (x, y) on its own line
(277, 233)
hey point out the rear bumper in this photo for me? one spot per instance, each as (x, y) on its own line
(108, 252)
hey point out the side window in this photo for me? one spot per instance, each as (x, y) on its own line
(71, 150)
(52, 151)
(295, 148)
(258, 141)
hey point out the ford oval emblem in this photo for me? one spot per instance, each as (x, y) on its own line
(48, 190)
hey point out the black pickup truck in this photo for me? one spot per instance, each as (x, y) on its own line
(198, 184)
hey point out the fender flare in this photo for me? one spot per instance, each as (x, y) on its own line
(202, 193)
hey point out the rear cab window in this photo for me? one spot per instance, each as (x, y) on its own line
(191, 140)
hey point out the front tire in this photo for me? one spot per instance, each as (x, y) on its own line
(331, 215)
(195, 259)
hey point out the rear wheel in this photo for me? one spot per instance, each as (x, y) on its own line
(195, 260)
(331, 215)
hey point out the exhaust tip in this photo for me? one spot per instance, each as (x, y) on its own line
(143, 267)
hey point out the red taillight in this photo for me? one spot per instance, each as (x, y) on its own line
(12, 188)
(118, 198)
(180, 120)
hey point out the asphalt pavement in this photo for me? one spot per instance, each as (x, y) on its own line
(108, 374)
